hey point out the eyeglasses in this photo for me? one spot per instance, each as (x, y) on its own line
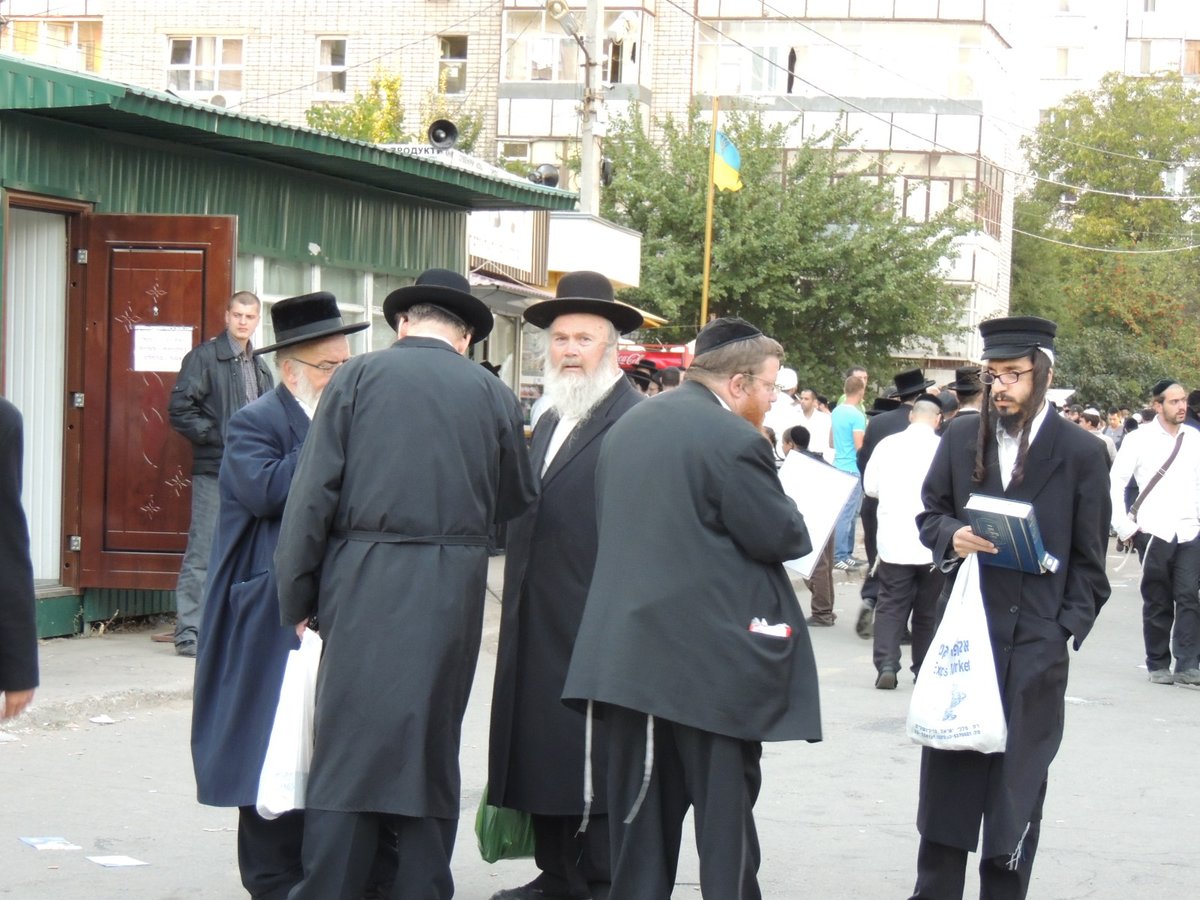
(773, 388)
(322, 366)
(1002, 377)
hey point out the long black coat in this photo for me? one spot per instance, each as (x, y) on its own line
(536, 747)
(1031, 618)
(243, 648)
(18, 613)
(414, 453)
(694, 528)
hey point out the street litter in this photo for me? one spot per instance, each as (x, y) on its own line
(103, 720)
(50, 843)
(112, 862)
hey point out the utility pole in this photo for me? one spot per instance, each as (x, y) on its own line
(589, 156)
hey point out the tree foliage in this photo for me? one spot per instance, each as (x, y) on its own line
(822, 262)
(1118, 165)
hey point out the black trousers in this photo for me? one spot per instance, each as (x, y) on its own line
(572, 865)
(1170, 581)
(269, 853)
(717, 775)
(942, 871)
(348, 856)
(905, 590)
(870, 525)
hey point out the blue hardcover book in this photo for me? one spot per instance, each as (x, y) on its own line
(1012, 526)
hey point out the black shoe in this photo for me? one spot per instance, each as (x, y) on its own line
(527, 892)
(865, 626)
(186, 648)
(814, 622)
(906, 638)
(886, 680)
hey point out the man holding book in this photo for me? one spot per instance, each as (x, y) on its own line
(1163, 457)
(1017, 451)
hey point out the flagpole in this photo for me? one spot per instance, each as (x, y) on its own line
(708, 216)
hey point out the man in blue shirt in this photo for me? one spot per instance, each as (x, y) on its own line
(849, 425)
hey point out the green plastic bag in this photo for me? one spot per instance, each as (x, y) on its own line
(502, 833)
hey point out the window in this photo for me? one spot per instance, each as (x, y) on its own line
(1149, 5)
(514, 151)
(66, 43)
(537, 49)
(331, 65)
(989, 199)
(452, 66)
(1062, 62)
(204, 63)
(1191, 57)
(1145, 63)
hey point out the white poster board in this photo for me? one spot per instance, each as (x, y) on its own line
(160, 348)
(819, 492)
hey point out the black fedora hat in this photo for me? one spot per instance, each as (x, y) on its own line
(966, 381)
(308, 317)
(910, 382)
(1014, 337)
(585, 292)
(445, 289)
(882, 405)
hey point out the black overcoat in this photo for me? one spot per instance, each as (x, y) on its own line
(693, 531)
(243, 648)
(18, 612)
(1031, 618)
(414, 452)
(536, 745)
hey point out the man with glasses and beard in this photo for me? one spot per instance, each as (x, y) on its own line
(1018, 450)
(243, 647)
(536, 752)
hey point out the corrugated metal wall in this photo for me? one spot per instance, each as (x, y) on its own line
(35, 328)
(280, 211)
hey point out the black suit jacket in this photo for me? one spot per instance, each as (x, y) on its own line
(536, 745)
(18, 614)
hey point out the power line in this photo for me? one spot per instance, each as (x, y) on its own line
(1128, 195)
(1049, 240)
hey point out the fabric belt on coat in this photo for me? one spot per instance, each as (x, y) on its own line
(391, 537)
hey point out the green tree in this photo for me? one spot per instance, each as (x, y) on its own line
(822, 262)
(375, 116)
(1116, 171)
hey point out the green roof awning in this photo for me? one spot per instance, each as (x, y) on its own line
(94, 102)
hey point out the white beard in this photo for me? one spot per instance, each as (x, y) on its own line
(575, 396)
(305, 391)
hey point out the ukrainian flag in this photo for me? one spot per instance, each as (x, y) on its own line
(726, 163)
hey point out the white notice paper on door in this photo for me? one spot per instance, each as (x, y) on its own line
(160, 348)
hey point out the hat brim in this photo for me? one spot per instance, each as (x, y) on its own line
(625, 318)
(971, 387)
(1009, 351)
(317, 335)
(915, 390)
(467, 307)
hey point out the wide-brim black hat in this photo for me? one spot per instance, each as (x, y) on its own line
(1014, 337)
(910, 382)
(309, 317)
(882, 405)
(445, 289)
(966, 381)
(585, 292)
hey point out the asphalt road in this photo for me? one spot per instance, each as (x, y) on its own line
(835, 818)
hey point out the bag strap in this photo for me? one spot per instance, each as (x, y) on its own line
(1137, 504)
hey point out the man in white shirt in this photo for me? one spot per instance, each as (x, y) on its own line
(818, 423)
(1165, 528)
(909, 583)
(785, 411)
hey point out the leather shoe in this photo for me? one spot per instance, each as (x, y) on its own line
(865, 626)
(1188, 676)
(886, 680)
(186, 648)
(814, 622)
(526, 892)
(1161, 676)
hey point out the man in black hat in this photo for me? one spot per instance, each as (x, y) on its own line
(908, 385)
(1021, 451)
(697, 652)
(415, 452)
(243, 648)
(968, 389)
(1165, 529)
(536, 748)
(215, 380)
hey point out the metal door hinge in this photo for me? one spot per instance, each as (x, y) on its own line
(77, 400)
(81, 256)
(74, 542)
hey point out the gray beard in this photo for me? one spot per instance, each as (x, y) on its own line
(306, 392)
(574, 397)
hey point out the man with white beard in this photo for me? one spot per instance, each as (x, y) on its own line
(243, 648)
(536, 752)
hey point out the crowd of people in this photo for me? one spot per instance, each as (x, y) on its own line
(358, 498)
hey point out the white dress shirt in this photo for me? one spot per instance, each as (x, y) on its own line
(895, 474)
(1009, 446)
(1171, 509)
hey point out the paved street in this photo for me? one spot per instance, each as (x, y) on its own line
(835, 818)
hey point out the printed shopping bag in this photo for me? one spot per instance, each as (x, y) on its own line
(284, 777)
(956, 702)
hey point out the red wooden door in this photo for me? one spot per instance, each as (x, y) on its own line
(156, 286)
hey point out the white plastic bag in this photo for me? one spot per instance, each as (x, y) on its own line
(956, 702)
(284, 778)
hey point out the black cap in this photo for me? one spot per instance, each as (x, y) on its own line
(309, 317)
(585, 292)
(910, 382)
(720, 332)
(966, 381)
(1160, 387)
(1016, 336)
(447, 290)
